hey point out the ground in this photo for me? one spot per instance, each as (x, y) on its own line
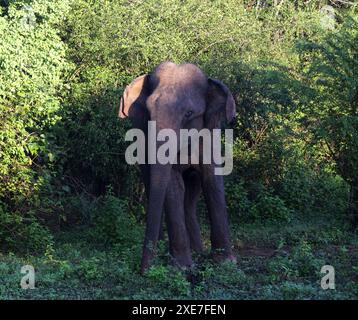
(275, 261)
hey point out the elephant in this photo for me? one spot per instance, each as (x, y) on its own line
(181, 96)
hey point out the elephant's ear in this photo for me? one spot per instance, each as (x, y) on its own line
(220, 104)
(135, 94)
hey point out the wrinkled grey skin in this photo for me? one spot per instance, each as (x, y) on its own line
(181, 96)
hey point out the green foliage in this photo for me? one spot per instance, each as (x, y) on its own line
(32, 63)
(306, 190)
(331, 68)
(223, 281)
(166, 279)
(22, 234)
(77, 268)
(89, 270)
(113, 223)
(270, 207)
(300, 263)
(236, 198)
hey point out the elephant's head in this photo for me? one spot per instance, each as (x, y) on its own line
(176, 97)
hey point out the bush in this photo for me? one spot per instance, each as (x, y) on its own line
(113, 223)
(237, 202)
(331, 71)
(270, 207)
(301, 262)
(32, 64)
(167, 280)
(22, 233)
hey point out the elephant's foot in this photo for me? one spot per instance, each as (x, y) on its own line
(147, 257)
(197, 247)
(221, 255)
(144, 266)
(182, 261)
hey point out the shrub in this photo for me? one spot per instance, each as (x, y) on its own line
(22, 232)
(270, 207)
(168, 281)
(32, 64)
(237, 201)
(113, 223)
(331, 71)
(301, 262)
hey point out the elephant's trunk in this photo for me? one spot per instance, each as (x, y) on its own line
(159, 178)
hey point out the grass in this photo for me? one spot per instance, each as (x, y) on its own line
(275, 261)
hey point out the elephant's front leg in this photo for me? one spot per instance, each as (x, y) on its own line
(145, 171)
(179, 242)
(192, 193)
(213, 188)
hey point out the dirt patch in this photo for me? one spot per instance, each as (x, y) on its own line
(256, 251)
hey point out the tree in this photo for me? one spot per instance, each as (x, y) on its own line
(331, 68)
(32, 63)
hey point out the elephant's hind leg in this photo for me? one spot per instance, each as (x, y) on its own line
(213, 188)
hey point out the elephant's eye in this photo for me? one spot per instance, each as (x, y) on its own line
(188, 113)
